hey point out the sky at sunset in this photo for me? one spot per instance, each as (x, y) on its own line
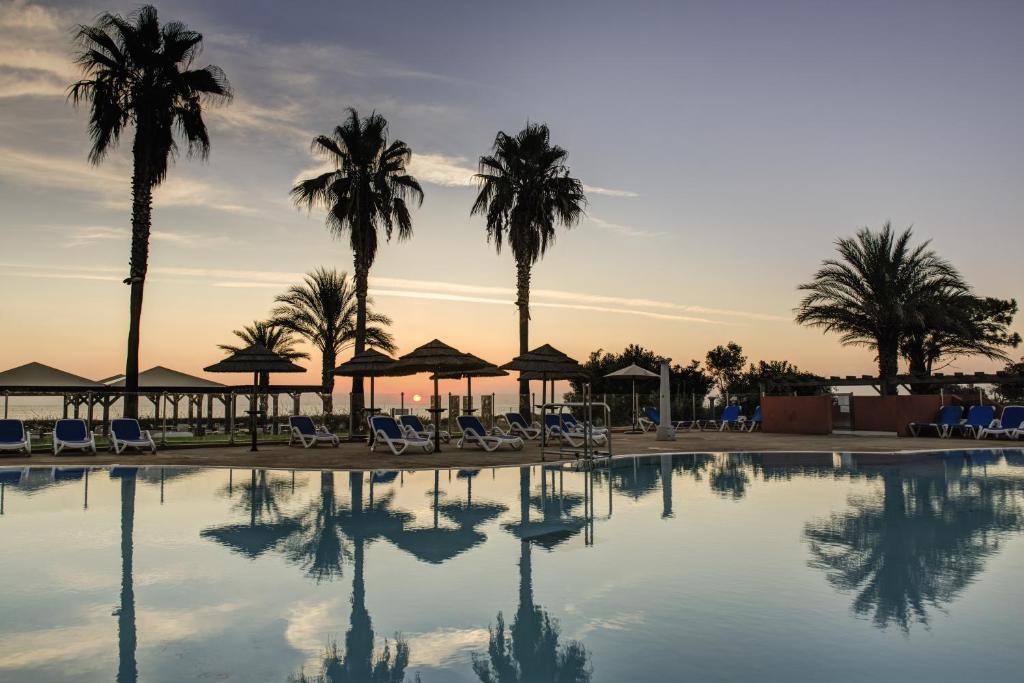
(724, 147)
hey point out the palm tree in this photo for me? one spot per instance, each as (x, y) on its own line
(367, 189)
(324, 311)
(139, 73)
(525, 192)
(272, 336)
(878, 292)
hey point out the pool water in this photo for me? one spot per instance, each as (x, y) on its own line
(665, 568)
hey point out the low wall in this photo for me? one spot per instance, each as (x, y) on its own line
(893, 413)
(796, 414)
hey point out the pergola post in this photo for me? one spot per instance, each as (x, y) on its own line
(231, 419)
(273, 422)
(64, 408)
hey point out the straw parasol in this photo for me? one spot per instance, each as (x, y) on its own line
(633, 372)
(489, 370)
(435, 357)
(255, 359)
(545, 363)
(370, 363)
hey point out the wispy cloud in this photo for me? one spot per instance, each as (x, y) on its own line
(626, 230)
(109, 182)
(433, 290)
(32, 61)
(592, 189)
(87, 234)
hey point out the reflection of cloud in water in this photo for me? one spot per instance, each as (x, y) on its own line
(445, 646)
(311, 626)
(616, 622)
(94, 637)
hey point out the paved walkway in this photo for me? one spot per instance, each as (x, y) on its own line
(358, 456)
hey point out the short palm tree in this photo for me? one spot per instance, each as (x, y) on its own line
(525, 192)
(139, 73)
(322, 310)
(367, 190)
(273, 337)
(877, 292)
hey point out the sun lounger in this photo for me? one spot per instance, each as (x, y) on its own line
(519, 426)
(574, 425)
(474, 434)
(949, 416)
(385, 430)
(302, 429)
(729, 419)
(754, 423)
(1009, 424)
(555, 429)
(978, 417)
(413, 425)
(14, 436)
(70, 434)
(652, 418)
(126, 433)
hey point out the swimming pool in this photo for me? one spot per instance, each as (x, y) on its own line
(680, 567)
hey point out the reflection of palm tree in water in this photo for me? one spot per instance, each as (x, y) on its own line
(127, 669)
(729, 478)
(529, 651)
(917, 543)
(357, 663)
(318, 548)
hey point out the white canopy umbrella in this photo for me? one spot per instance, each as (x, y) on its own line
(633, 372)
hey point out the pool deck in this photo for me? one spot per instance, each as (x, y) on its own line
(877, 449)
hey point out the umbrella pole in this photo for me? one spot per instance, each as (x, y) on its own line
(371, 395)
(469, 395)
(437, 417)
(253, 408)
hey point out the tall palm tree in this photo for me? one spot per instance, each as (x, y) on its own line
(525, 192)
(324, 311)
(367, 190)
(877, 292)
(139, 73)
(273, 337)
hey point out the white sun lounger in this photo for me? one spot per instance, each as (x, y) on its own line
(14, 436)
(302, 429)
(387, 431)
(126, 433)
(71, 434)
(474, 434)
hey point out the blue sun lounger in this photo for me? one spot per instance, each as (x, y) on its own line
(474, 434)
(413, 425)
(387, 431)
(302, 429)
(521, 427)
(978, 417)
(556, 430)
(1010, 424)
(729, 419)
(14, 436)
(652, 418)
(949, 417)
(71, 434)
(126, 433)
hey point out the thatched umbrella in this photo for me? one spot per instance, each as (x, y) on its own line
(489, 370)
(370, 363)
(545, 363)
(633, 372)
(255, 359)
(435, 357)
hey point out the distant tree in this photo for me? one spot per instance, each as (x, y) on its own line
(683, 379)
(691, 379)
(1013, 392)
(368, 190)
(724, 364)
(139, 73)
(525, 193)
(877, 292)
(772, 375)
(323, 311)
(274, 337)
(965, 325)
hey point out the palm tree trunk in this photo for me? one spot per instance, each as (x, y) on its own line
(127, 669)
(327, 379)
(142, 210)
(888, 367)
(362, 273)
(523, 302)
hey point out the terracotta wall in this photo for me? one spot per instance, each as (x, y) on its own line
(797, 414)
(892, 413)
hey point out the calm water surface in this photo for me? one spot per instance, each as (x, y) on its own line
(706, 567)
